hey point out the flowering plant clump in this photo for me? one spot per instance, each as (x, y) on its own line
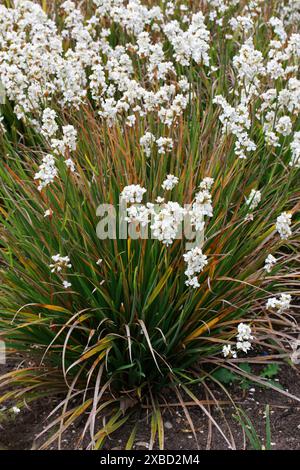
(175, 123)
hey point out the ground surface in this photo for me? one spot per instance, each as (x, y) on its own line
(20, 431)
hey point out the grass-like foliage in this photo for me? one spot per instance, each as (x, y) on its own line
(116, 323)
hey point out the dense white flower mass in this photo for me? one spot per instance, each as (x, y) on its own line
(189, 44)
(283, 225)
(154, 75)
(166, 218)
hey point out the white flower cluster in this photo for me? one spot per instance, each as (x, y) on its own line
(249, 66)
(138, 214)
(236, 121)
(133, 193)
(59, 263)
(295, 148)
(167, 221)
(190, 44)
(270, 262)
(165, 217)
(68, 142)
(202, 205)
(218, 8)
(274, 107)
(242, 24)
(243, 341)
(2, 127)
(47, 172)
(41, 63)
(280, 304)
(196, 261)
(165, 144)
(170, 182)
(146, 142)
(49, 124)
(290, 12)
(253, 199)
(283, 225)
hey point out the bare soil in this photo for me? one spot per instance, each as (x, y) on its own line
(19, 431)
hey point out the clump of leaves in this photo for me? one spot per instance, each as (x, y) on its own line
(129, 326)
(228, 376)
(252, 434)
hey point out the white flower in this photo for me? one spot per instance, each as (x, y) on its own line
(283, 225)
(139, 214)
(70, 164)
(69, 137)
(244, 346)
(278, 28)
(66, 284)
(242, 23)
(244, 332)
(165, 144)
(295, 148)
(47, 172)
(253, 199)
(167, 221)
(203, 200)
(60, 263)
(249, 64)
(49, 125)
(2, 127)
(48, 213)
(130, 120)
(206, 183)
(236, 120)
(281, 304)
(243, 341)
(284, 125)
(190, 44)
(16, 410)
(196, 261)
(228, 351)
(170, 182)
(270, 262)
(146, 142)
(202, 206)
(133, 193)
